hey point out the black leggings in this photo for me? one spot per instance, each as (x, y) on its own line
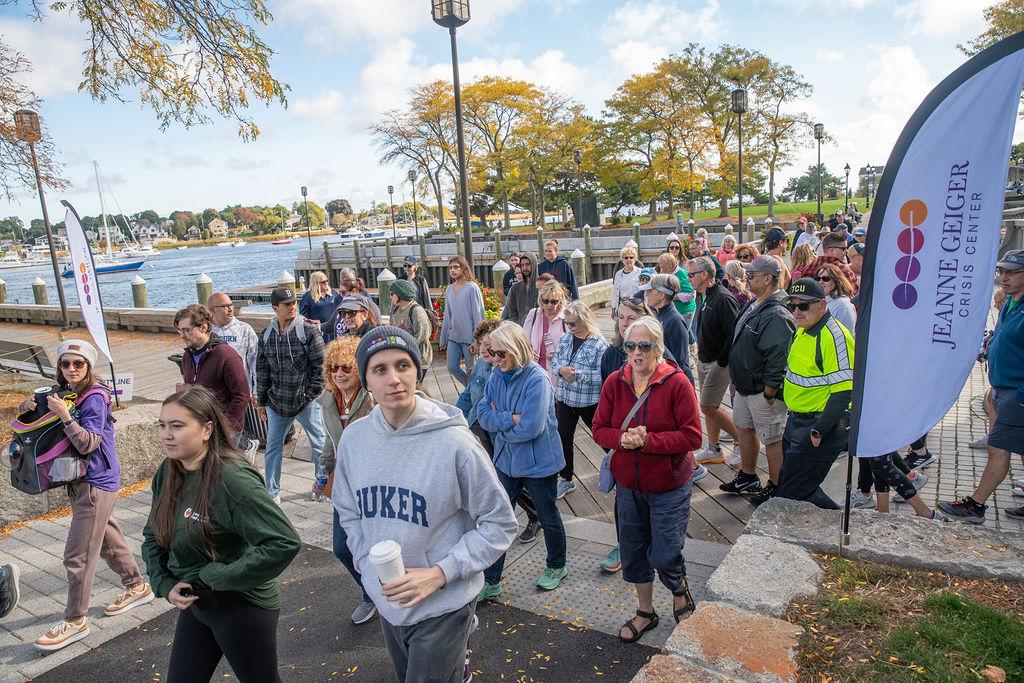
(887, 473)
(524, 501)
(865, 479)
(229, 626)
(568, 417)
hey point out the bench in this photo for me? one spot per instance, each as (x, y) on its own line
(21, 357)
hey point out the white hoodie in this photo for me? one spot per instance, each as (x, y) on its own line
(430, 487)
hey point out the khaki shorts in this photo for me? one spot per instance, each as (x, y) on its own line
(754, 412)
(714, 382)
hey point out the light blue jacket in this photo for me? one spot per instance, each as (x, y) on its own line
(470, 397)
(531, 448)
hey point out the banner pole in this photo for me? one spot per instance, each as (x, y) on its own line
(844, 537)
(117, 401)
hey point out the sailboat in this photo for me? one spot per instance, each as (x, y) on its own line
(106, 263)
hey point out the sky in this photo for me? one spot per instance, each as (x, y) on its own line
(871, 62)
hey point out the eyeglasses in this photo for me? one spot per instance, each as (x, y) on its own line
(350, 314)
(805, 306)
(185, 330)
(223, 306)
(571, 324)
(344, 368)
(746, 258)
(550, 302)
(76, 364)
(629, 258)
(674, 247)
(409, 265)
(500, 355)
(823, 278)
(632, 346)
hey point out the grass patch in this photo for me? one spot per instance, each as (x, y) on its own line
(877, 622)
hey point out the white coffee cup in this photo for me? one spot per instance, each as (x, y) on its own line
(386, 558)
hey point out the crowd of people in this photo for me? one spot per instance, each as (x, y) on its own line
(771, 330)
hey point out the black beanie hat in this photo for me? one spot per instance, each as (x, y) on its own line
(386, 337)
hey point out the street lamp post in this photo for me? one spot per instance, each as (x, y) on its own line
(391, 201)
(415, 220)
(577, 156)
(305, 210)
(739, 105)
(819, 133)
(846, 207)
(451, 14)
(27, 128)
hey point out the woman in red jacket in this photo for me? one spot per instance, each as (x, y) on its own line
(652, 465)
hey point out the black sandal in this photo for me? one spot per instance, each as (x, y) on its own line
(652, 623)
(690, 604)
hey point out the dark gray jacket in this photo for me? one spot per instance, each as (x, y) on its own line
(760, 346)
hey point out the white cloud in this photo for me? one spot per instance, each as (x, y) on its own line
(900, 81)
(644, 32)
(54, 47)
(938, 18)
(829, 56)
(325, 107)
(636, 57)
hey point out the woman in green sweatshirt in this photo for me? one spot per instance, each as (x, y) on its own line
(214, 545)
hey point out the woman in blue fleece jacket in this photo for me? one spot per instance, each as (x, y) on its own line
(518, 409)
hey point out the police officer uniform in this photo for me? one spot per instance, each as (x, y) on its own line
(817, 390)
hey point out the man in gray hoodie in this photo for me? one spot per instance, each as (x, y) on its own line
(522, 297)
(413, 473)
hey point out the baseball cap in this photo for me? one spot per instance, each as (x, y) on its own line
(354, 303)
(647, 273)
(764, 264)
(281, 295)
(663, 282)
(806, 289)
(840, 226)
(860, 232)
(1012, 260)
(774, 236)
(410, 261)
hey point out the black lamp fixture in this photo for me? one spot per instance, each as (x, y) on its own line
(819, 133)
(305, 210)
(452, 14)
(411, 176)
(846, 208)
(739, 106)
(391, 201)
(28, 129)
(577, 156)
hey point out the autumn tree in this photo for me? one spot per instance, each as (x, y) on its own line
(336, 206)
(1003, 20)
(317, 216)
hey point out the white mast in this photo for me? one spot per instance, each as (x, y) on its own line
(103, 212)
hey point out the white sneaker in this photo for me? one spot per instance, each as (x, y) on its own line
(1017, 490)
(918, 479)
(699, 472)
(277, 499)
(711, 454)
(861, 500)
(251, 449)
(564, 488)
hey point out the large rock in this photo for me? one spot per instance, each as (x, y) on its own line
(663, 669)
(764, 575)
(138, 449)
(960, 549)
(749, 647)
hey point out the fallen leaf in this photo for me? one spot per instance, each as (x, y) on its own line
(993, 673)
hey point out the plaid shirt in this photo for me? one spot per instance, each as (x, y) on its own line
(288, 372)
(585, 389)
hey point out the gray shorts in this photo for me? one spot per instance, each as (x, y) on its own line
(1007, 431)
(754, 412)
(714, 382)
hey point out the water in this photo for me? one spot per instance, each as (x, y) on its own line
(170, 276)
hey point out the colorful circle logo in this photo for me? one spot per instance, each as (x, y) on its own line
(910, 241)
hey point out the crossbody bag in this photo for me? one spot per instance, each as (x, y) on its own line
(607, 482)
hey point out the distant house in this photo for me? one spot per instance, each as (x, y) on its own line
(218, 227)
(294, 220)
(193, 233)
(147, 232)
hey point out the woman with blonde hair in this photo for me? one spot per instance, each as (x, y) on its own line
(343, 401)
(802, 257)
(746, 253)
(545, 325)
(626, 281)
(737, 282)
(320, 301)
(577, 364)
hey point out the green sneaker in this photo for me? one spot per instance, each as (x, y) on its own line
(612, 562)
(552, 578)
(490, 591)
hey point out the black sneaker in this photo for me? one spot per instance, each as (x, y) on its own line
(742, 483)
(767, 491)
(530, 533)
(964, 510)
(9, 590)
(916, 462)
(1016, 513)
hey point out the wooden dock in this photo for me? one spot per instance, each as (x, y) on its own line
(715, 516)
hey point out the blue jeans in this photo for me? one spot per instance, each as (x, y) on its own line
(652, 531)
(543, 492)
(456, 352)
(342, 552)
(277, 427)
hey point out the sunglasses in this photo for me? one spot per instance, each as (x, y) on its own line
(76, 364)
(344, 368)
(350, 314)
(571, 324)
(500, 355)
(550, 302)
(632, 346)
(804, 306)
(823, 278)
(674, 247)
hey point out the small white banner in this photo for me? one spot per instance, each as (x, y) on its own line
(85, 281)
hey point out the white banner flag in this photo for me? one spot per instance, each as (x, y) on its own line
(932, 243)
(85, 281)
